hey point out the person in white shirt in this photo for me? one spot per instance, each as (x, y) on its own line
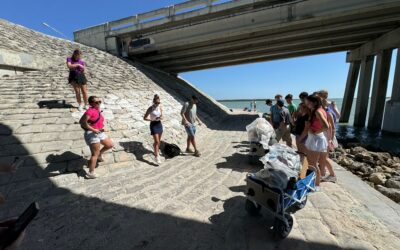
(154, 114)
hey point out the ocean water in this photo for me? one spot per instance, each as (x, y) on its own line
(374, 139)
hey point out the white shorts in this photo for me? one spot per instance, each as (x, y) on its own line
(91, 138)
(317, 143)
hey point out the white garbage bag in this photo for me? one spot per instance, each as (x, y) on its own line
(283, 157)
(280, 164)
(260, 130)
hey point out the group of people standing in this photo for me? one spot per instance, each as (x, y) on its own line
(154, 115)
(92, 121)
(313, 122)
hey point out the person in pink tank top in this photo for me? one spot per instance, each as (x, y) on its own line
(316, 142)
(93, 123)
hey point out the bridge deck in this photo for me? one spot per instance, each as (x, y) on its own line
(252, 32)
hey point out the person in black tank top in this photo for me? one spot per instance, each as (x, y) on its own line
(301, 127)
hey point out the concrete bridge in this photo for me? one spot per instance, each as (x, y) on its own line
(202, 34)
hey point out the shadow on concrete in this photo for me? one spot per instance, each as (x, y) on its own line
(254, 232)
(239, 163)
(82, 219)
(65, 163)
(244, 146)
(54, 104)
(138, 150)
(238, 189)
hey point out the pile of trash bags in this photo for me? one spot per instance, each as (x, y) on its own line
(261, 131)
(281, 165)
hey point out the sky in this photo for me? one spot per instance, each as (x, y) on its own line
(248, 81)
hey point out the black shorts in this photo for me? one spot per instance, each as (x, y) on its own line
(156, 127)
(76, 77)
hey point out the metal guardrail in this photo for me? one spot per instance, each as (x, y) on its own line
(175, 12)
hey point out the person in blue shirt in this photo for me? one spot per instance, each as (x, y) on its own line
(276, 112)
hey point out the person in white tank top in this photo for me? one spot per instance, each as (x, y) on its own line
(154, 115)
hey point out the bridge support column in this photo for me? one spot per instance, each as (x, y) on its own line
(363, 91)
(112, 45)
(351, 83)
(378, 95)
(391, 122)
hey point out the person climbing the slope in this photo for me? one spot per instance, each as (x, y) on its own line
(93, 124)
(77, 78)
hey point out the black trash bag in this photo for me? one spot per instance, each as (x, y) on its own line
(171, 150)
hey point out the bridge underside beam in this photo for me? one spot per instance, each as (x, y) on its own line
(271, 48)
(389, 40)
(262, 58)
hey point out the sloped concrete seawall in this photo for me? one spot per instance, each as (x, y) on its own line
(53, 136)
(24, 49)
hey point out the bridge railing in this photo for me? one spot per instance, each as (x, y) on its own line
(175, 12)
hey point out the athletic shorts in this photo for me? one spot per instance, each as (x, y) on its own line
(156, 128)
(191, 130)
(91, 138)
(317, 142)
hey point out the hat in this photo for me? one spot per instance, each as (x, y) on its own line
(280, 103)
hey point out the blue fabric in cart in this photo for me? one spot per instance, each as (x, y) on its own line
(303, 187)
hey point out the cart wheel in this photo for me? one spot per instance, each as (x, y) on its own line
(283, 228)
(252, 208)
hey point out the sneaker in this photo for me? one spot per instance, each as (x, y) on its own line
(155, 160)
(91, 175)
(197, 153)
(158, 160)
(189, 151)
(86, 107)
(80, 108)
(329, 178)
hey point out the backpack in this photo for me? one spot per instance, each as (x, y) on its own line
(171, 150)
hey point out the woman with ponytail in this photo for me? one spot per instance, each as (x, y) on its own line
(317, 143)
(154, 114)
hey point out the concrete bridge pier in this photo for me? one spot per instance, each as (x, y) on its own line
(391, 122)
(379, 89)
(351, 84)
(381, 47)
(364, 87)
